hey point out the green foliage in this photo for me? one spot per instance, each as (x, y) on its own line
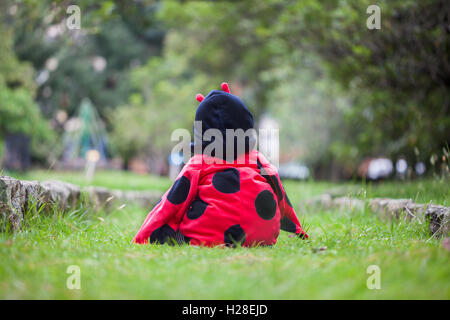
(394, 80)
(229, 41)
(340, 91)
(398, 77)
(162, 103)
(308, 102)
(121, 36)
(18, 111)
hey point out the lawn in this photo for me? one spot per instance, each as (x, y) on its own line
(103, 178)
(332, 265)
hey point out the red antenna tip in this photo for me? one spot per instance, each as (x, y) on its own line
(225, 87)
(199, 97)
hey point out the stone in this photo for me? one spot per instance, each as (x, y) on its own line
(389, 208)
(12, 199)
(32, 191)
(61, 194)
(99, 197)
(345, 203)
(416, 209)
(103, 198)
(438, 217)
(144, 199)
(324, 201)
(18, 198)
(406, 209)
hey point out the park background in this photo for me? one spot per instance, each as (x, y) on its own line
(344, 97)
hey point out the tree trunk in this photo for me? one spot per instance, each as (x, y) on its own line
(17, 152)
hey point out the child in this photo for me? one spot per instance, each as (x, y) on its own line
(240, 201)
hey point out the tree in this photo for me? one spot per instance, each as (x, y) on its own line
(162, 103)
(398, 77)
(20, 117)
(91, 62)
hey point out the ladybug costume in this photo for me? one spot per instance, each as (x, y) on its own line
(213, 202)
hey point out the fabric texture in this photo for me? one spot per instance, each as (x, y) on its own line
(223, 111)
(222, 204)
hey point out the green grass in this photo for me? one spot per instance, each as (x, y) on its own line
(33, 262)
(112, 179)
(422, 190)
(436, 191)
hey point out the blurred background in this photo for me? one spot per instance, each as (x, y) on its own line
(350, 102)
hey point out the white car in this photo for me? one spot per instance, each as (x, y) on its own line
(293, 170)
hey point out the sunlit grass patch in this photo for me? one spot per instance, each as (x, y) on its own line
(333, 264)
(112, 179)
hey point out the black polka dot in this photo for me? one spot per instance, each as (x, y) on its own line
(162, 235)
(234, 235)
(179, 191)
(227, 181)
(286, 224)
(197, 208)
(265, 205)
(275, 185)
(272, 180)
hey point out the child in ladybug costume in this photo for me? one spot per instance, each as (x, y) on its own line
(212, 202)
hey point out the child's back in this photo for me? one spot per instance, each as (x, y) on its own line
(214, 202)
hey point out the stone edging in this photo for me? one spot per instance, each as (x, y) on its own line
(18, 197)
(438, 216)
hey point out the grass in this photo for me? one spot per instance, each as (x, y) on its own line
(112, 179)
(332, 265)
(422, 190)
(436, 191)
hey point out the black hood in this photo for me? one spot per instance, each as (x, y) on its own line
(221, 110)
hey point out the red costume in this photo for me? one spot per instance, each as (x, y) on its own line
(236, 202)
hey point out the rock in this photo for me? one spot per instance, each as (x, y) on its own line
(32, 194)
(324, 201)
(63, 194)
(337, 192)
(416, 210)
(345, 203)
(99, 197)
(438, 217)
(18, 198)
(144, 199)
(397, 208)
(389, 208)
(406, 209)
(107, 199)
(12, 199)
